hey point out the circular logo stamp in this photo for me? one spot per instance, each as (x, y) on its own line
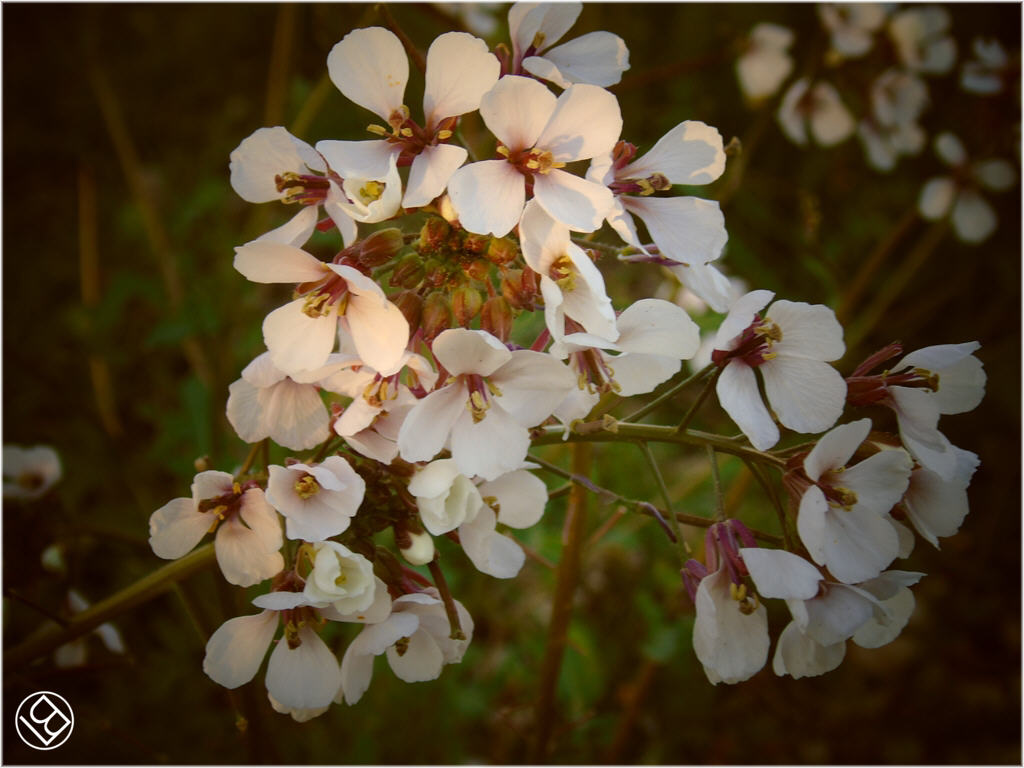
(44, 720)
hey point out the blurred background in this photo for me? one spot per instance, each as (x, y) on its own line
(124, 323)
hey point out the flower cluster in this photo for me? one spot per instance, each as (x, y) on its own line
(406, 363)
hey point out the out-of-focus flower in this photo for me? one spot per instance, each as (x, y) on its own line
(852, 26)
(816, 107)
(972, 216)
(986, 74)
(765, 63)
(29, 472)
(597, 58)
(75, 653)
(922, 39)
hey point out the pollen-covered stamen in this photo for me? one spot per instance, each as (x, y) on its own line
(305, 189)
(306, 487)
(622, 154)
(755, 345)
(226, 505)
(656, 182)
(381, 389)
(593, 372)
(870, 390)
(563, 272)
(410, 137)
(330, 292)
(371, 191)
(530, 161)
(747, 600)
(294, 619)
(401, 646)
(480, 392)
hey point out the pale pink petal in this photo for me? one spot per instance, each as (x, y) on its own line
(261, 519)
(937, 196)
(296, 341)
(790, 118)
(296, 231)
(306, 677)
(836, 448)
(294, 415)
(741, 315)
(974, 220)
(937, 507)
(427, 427)
(691, 153)
(766, 64)
(235, 651)
(739, 396)
(460, 70)
(369, 67)
(657, 327)
(242, 556)
(950, 149)
(812, 523)
(262, 156)
(491, 447)
(885, 625)
(806, 395)
(176, 528)
(597, 58)
(379, 330)
(542, 238)
(997, 175)
(421, 661)
(264, 261)
(488, 196)
(732, 646)
(688, 230)
(540, 25)
(532, 384)
(280, 601)
(831, 122)
(461, 350)
(357, 663)
(488, 550)
(917, 414)
(858, 544)
(519, 498)
(808, 330)
(361, 159)
(577, 203)
(210, 484)
(431, 169)
(586, 122)
(836, 615)
(778, 573)
(516, 110)
(799, 655)
(637, 373)
(707, 283)
(879, 481)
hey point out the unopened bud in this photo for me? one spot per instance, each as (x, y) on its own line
(496, 317)
(466, 303)
(408, 272)
(420, 549)
(446, 209)
(437, 315)
(434, 272)
(381, 247)
(411, 306)
(202, 463)
(479, 270)
(475, 243)
(434, 233)
(502, 250)
(519, 288)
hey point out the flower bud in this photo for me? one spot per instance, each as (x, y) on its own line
(408, 272)
(434, 233)
(411, 305)
(437, 315)
(479, 270)
(466, 303)
(519, 287)
(502, 250)
(496, 317)
(420, 550)
(475, 243)
(381, 247)
(434, 272)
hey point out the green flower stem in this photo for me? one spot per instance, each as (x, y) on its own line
(52, 636)
(624, 431)
(667, 497)
(717, 481)
(699, 401)
(670, 393)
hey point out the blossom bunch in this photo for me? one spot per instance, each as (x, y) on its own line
(461, 316)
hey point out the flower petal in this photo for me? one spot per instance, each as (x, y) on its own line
(974, 220)
(806, 395)
(586, 122)
(431, 169)
(461, 350)
(835, 448)
(799, 655)
(460, 70)
(369, 67)
(688, 230)
(597, 58)
(420, 661)
(937, 196)
(691, 153)
(737, 392)
(305, 677)
(296, 341)
(264, 261)
(520, 498)
(429, 424)
(176, 528)
(242, 556)
(489, 551)
(488, 196)
(808, 330)
(361, 159)
(235, 651)
(516, 110)
(778, 573)
(579, 204)
(491, 447)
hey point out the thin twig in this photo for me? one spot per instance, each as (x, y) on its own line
(717, 483)
(667, 497)
(449, 602)
(670, 393)
(708, 386)
(410, 48)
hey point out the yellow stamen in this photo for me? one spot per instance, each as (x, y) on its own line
(371, 191)
(317, 305)
(380, 130)
(306, 487)
(444, 134)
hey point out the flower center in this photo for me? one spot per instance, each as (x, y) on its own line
(530, 161)
(224, 506)
(480, 392)
(306, 487)
(305, 189)
(755, 344)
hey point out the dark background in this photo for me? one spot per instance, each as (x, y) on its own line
(124, 322)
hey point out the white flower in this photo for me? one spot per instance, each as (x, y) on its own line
(445, 497)
(317, 501)
(686, 230)
(852, 26)
(301, 334)
(818, 107)
(973, 218)
(766, 63)
(75, 653)
(29, 472)
(266, 402)
(571, 285)
(537, 135)
(416, 638)
(654, 336)
(340, 578)
(731, 642)
(841, 514)
(369, 66)
(375, 196)
(271, 164)
(883, 145)
(598, 58)
(936, 507)
(485, 408)
(789, 346)
(922, 39)
(985, 74)
(248, 530)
